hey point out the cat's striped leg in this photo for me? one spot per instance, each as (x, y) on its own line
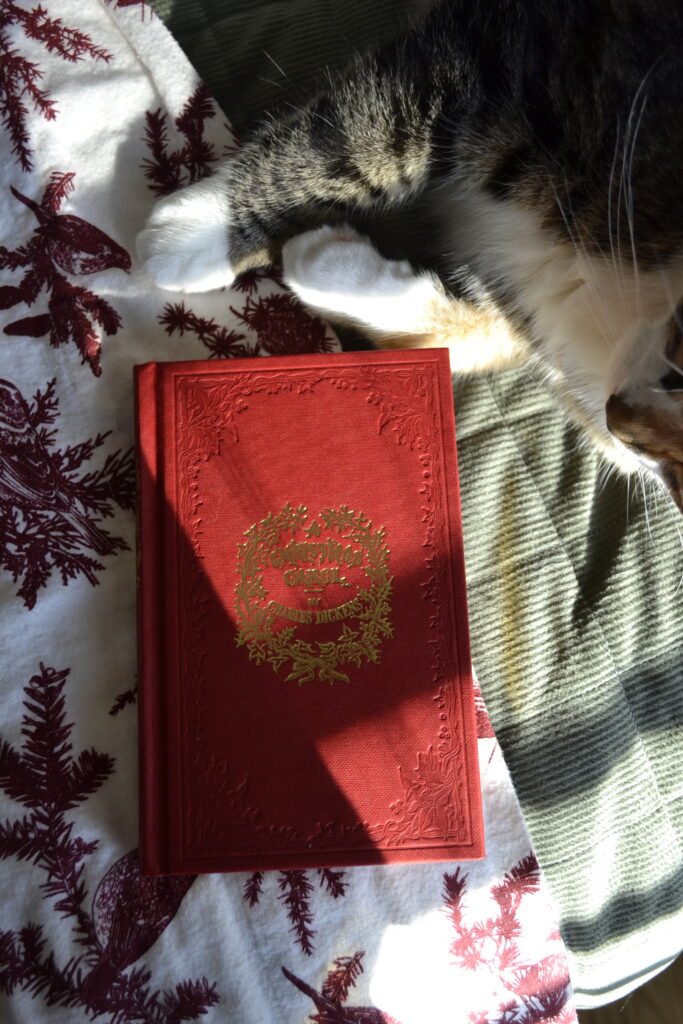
(340, 275)
(374, 138)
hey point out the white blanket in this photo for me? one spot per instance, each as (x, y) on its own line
(100, 114)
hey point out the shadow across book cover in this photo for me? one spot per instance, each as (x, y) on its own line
(305, 686)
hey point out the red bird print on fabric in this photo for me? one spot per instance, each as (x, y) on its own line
(130, 911)
(62, 242)
(331, 1008)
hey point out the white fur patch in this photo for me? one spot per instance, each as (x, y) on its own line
(184, 245)
(599, 324)
(338, 272)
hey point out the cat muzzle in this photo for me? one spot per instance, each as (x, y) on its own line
(654, 434)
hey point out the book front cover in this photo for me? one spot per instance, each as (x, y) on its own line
(306, 689)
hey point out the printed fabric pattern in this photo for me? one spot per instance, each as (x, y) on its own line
(100, 114)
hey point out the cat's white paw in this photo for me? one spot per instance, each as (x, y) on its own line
(331, 260)
(184, 244)
(337, 271)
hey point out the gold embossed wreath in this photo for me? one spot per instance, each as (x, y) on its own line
(280, 647)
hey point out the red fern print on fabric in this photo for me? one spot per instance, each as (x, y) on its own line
(282, 326)
(538, 992)
(48, 512)
(19, 77)
(333, 881)
(253, 887)
(250, 280)
(144, 7)
(295, 893)
(330, 1002)
(220, 341)
(167, 170)
(123, 700)
(62, 242)
(129, 912)
(343, 976)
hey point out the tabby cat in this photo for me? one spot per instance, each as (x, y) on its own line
(549, 135)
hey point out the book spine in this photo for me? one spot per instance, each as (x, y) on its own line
(150, 546)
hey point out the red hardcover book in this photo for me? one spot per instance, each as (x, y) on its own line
(305, 687)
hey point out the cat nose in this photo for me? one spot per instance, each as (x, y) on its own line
(621, 421)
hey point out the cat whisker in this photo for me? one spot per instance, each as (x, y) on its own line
(626, 176)
(578, 242)
(581, 252)
(320, 117)
(597, 294)
(577, 236)
(606, 469)
(275, 64)
(666, 285)
(629, 206)
(628, 499)
(642, 481)
(670, 363)
(674, 515)
(620, 194)
(610, 225)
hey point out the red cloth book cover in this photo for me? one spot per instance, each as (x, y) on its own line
(305, 685)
